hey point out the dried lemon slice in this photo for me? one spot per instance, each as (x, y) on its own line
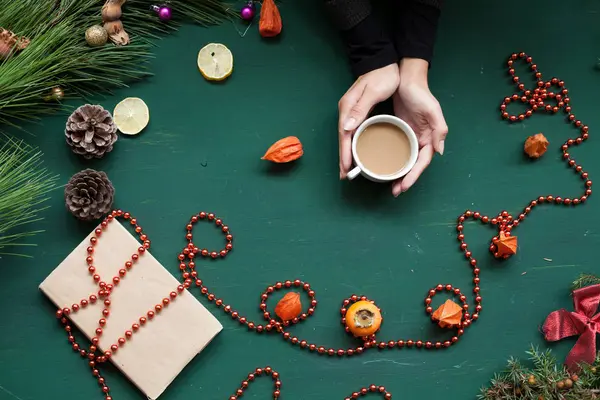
(215, 62)
(131, 115)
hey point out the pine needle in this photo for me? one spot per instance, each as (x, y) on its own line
(24, 187)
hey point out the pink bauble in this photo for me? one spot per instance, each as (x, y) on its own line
(164, 13)
(247, 13)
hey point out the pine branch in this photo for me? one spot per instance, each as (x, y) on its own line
(585, 280)
(543, 380)
(24, 187)
(59, 56)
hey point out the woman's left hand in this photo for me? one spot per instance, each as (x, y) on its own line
(414, 103)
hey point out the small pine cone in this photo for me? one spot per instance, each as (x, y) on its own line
(89, 195)
(91, 131)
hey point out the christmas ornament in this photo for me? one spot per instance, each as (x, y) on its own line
(363, 318)
(164, 12)
(248, 11)
(215, 62)
(111, 18)
(506, 245)
(96, 36)
(131, 115)
(289, 307)
(89, 195)
(90, 131)
(448, 315)
(56, 94)
(583, 322)
(536, 145)
(270, 24)
(284, 150)
(11, 43)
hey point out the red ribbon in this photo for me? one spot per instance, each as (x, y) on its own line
(562, 323)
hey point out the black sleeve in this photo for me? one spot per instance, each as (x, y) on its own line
(416, 29)
(368, 45)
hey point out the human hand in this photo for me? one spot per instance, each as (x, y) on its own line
(414, 103)
(356, 104)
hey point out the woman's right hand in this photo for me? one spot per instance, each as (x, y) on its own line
(356, 104)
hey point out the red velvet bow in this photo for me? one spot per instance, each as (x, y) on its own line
(562, 323)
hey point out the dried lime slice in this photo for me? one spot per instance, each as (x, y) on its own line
(131, 116)
(215, 62)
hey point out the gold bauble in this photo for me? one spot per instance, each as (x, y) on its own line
(96, 36)
(57, 93)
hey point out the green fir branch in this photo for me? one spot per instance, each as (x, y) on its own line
(543, 379)
(59, 56)
(24, 188)
(585, 280)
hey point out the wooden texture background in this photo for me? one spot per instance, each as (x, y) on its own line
(202, 151)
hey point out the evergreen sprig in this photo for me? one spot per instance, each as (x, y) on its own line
(585, 280)
(59, 56)
(543, 379)
(24, 187)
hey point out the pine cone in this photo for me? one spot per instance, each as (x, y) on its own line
(91, 131)
(89, 194)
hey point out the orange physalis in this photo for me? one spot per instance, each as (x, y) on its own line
(536, 145)
(363, 318)
(289, 307)
(505, 245)
(284, 150)
(448, 314)
(270, 23)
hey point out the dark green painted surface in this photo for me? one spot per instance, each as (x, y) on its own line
(301, 222)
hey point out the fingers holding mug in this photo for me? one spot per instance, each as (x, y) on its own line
(345, 106)
(423, 161)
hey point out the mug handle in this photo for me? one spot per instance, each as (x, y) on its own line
(353, 173)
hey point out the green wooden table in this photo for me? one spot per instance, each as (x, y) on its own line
(202, 151)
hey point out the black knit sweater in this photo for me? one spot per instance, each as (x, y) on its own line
(371, 44)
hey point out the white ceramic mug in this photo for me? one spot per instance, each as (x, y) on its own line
(360, 169)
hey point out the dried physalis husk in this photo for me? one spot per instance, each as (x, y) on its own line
(9, 43)
(289, 307)
(363, 318)
(284, 150)
(448, 314)
(506, 245)
(536, 145)
(270, 24)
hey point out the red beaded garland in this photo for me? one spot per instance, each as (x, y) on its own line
(504, 222)
(536, 98)
(105, 290)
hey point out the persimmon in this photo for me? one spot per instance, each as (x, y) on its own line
(363, 318)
